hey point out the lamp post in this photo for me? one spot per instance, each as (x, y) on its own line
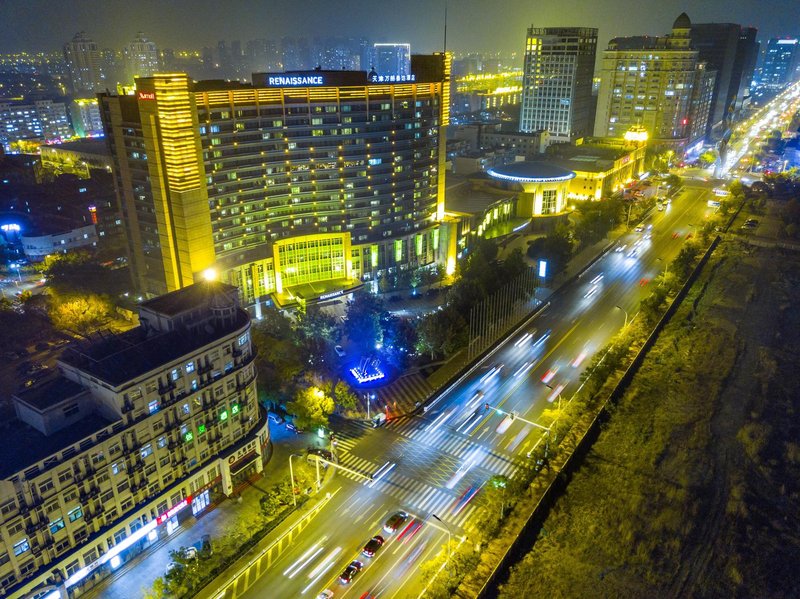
(626, 314)
(291, 476)
(449, 536)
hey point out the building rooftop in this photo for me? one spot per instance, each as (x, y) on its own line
(531, 172)
(116, 359)
(23, 445)
(84, 146)
(187, 298)
(50, 392)
(469, 199)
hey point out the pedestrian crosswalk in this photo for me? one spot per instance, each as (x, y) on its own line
(402, 396)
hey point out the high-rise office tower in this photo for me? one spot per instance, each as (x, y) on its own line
(748, 54)
(296, 54)
(726, 48)
(295, 186)
(141, 58)
(392, 59)
(557, 81)
(781, 63)
(84, 62)
(650, 82)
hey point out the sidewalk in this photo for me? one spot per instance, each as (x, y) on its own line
(136, 577)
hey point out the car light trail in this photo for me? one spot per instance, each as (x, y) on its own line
(577, 361)
(470, 423)
(320, 570)
(504, 424)
(469, 462)
(550, 375)
(597, 279)
(382, 472)
(522, 340)
(473, 403)
(468, 496)
(542, 339)
(523, 369)
(305, 559)
(438, 421)
(556, 392)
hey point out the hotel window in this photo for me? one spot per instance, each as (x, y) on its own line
(56, 525)
(153, 406)
(189, 367)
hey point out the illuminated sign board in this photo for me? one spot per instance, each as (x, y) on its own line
(543, 268)
(295, 80)
(173, 510)
(147, 95)
(332, 294)
(393, 78)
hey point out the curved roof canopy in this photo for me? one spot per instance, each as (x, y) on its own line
(531, 172)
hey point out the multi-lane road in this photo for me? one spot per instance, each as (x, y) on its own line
(434, 466)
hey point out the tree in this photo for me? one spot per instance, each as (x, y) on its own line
(311, 407)
(556, 248)
(279, 358)
(79, 273)
(82, 314)
(684, 262)
(673, 180)
(363, 322)
(708, 158)
(344, 396)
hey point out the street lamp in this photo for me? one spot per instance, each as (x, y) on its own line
(449, 536)
(626, 314)
(291, 476)
(558, 396)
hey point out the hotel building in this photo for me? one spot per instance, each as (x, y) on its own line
(134, 434)
(297, 186)
(653, 82)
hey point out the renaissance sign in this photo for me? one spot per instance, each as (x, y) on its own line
(295, 80)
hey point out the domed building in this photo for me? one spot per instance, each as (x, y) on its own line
(542, 187)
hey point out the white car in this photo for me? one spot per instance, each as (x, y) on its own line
(339, 351)
(326, 594)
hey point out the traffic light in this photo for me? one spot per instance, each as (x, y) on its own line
(487, 406)
(511, 416)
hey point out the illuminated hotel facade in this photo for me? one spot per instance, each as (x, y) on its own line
(296, 187)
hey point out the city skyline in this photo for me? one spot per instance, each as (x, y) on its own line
(39, 26)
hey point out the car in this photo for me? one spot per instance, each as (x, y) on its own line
(639, 228)
(633, 253)
(42, 346)
(372, 546)
(395, 521)
(620, 248)
(326, 594)
(276, 418)
(290, 426)
(351, 571)
(395, 298)
(189, 552)
(339, 351)
(323, 453)
(171, 567)
(205, 545)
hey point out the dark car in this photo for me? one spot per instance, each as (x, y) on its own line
(42, 346)
(350, 572)
(395, 522)
(372, 546)
(323, 453)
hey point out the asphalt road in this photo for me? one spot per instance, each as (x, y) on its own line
(437, 463)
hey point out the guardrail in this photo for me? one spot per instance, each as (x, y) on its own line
(559, 479)
(246, 576)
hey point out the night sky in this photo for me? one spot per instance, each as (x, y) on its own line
(474, 25)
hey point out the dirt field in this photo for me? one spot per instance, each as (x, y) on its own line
(693, 489)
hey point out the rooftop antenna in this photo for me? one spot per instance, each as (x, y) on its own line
(444, 50)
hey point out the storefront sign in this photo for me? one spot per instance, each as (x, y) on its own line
(147, 95)
(173, 510)
(332, 294)
(242, 452)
